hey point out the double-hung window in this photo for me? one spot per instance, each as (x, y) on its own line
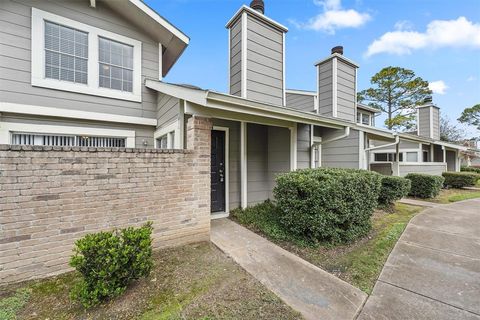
(72, 56)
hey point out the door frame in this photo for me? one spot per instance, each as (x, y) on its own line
(227, 172)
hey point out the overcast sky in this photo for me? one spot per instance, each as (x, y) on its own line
(438, 39)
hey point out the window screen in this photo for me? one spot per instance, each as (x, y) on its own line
(116, 65)
(66, 53)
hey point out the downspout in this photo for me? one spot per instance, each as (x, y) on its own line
(344, 135)
(396, 144)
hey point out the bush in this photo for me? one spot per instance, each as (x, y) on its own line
(110, 261)
(333, 205)
(424, 185)
(393, 189)
(470, 169)
(460, 179)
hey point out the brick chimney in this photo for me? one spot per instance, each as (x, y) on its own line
(256, 55)
(337, 86)
(428, 119)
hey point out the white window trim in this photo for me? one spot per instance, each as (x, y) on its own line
(92, 87)
(362, 113)
(316, 143)
(167, 130)
(6, 129)
(227, 169)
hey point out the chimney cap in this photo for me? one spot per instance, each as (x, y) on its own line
(428, 99)
(337, 49)
(258, 5)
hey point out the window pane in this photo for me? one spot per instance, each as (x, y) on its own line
(116, 63)
(412, 156)
(66, 53)
(366, 119)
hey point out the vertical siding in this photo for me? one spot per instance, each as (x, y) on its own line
(345, 91)
(301, 102)
(264, 62)
(15, 58)
(342, 153)
(236, 58)
(278, 154)
(258, 185)
(168, 109)
(303, 146)
(325, 87)
(234, 160)
(424, 122)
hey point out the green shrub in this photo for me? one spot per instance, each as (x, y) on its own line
(393, 189)
(110, 261)
(470, 169)
(333, 205)
(460, 179)
(424, 185)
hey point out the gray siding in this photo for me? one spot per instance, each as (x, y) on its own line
(451, 160)
(234, 160)
(301, 102)
(345, 91)
(342, 153)
(258, 184)
(382, 168)
(15, 58)
(422, 168)
(278, 154)
(142, 133)
(236, 58)
(325, 88)
(436, 123)
(303, 146)
(424, 122)
(264, 62)
(168, 109)
(403, 145)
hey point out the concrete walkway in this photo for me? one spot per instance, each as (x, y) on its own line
(434, 270)
(308, 289)
(420, 203)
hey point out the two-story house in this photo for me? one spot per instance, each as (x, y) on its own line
(89, 73)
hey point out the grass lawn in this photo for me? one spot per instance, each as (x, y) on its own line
(358, 263)
(190, 282)
(454, 195)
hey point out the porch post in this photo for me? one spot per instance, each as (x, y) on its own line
(432, 153)
(444, 154)
(243, 164)
(293, 148)
(396, 170)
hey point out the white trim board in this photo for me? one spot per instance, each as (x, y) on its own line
(167, 130)
(7, 127)
(334, 87)
(227, 166)
(293, 147)
(92, 87)
(74, 114)
(243, 165)
(244, 55)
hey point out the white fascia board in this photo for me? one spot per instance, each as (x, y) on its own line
(334, 87)
(258, 15)
(73, 114)
(197, 96)
(160, 20)
(244, 57)
(6, 128)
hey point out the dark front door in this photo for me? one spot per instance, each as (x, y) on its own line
(218, 171)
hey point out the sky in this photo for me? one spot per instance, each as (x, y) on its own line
(438, 39)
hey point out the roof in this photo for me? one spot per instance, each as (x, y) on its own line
(339, 56)
(368, 108)
(173, 40)
(257, 14)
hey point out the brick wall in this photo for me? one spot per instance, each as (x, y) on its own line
(51, 196)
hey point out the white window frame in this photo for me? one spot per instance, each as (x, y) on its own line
(362, 114)
(7, 128)
(316, 148)
(92, 87)
(173, 140)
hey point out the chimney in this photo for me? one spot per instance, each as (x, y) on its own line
(337, 86)
(428, 119)
(256, 55)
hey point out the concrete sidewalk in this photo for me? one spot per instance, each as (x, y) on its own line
(434, 270)
(308, 289)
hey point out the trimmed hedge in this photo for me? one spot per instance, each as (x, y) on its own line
(332, 205)
(460, 179)
(110, 261)
(424, 185)
(393, 189)
(470, 169)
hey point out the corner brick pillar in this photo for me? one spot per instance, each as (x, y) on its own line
(199, 136)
